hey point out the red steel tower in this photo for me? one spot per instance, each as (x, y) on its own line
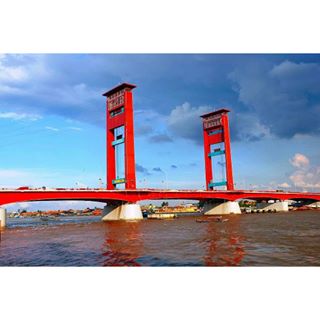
(119, 132)
(216, 131)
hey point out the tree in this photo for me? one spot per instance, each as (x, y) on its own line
(201, 203)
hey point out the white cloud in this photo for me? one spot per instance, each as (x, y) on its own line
(11, 174)
(13, 178)
(299, 161)
(81, 185)
(284, 185)
(53, 205)
(78, 94)
(52, 128)
(5, 89)
(17, 68)
(19, 116)
(12, 73)
(306, 179)
(74, 128)
(24, 205)
(306, 175)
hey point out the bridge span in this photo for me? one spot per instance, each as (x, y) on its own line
(122, 204)
(131, 196)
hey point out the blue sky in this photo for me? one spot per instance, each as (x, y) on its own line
(52, 116)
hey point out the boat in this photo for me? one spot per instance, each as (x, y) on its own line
(177, 209)
(215, 219)
(48, 218)
(202, 221)
(162, 215)
(219, 219)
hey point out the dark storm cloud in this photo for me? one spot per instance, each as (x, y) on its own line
(142, 169)
(71, 85)
(184, 122)
(275, 99)
(39, 84)
(160, 138)
(268, 94)
(284, 98)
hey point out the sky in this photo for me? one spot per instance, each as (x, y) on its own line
(52, 115)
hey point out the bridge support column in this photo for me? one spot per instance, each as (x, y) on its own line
(314, 205)
(3, 217)
(276, 206)
(126, 211)
(228, 207)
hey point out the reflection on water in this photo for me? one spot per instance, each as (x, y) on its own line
(123, 250)
(225, 246)
(257, 239)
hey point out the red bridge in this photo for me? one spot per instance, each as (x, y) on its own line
(133, 196)
(219, 198)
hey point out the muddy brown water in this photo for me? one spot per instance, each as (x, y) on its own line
(275, 239)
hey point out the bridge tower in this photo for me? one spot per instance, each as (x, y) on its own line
(216, 137)
(120, 136)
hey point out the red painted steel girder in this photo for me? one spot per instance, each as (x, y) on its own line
(12, 196)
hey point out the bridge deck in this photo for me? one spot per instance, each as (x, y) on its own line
(10, 195)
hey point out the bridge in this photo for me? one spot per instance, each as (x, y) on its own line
(220, 197)
(124, 196)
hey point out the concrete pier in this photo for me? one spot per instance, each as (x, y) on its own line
(275, 206)
(126, 211)
(228, 207)
(3, 217)
(314, 205)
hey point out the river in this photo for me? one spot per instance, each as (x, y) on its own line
(275, 239)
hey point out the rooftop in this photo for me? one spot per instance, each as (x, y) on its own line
(118, 88)
(223, 110)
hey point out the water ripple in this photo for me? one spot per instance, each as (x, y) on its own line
(255, 240)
